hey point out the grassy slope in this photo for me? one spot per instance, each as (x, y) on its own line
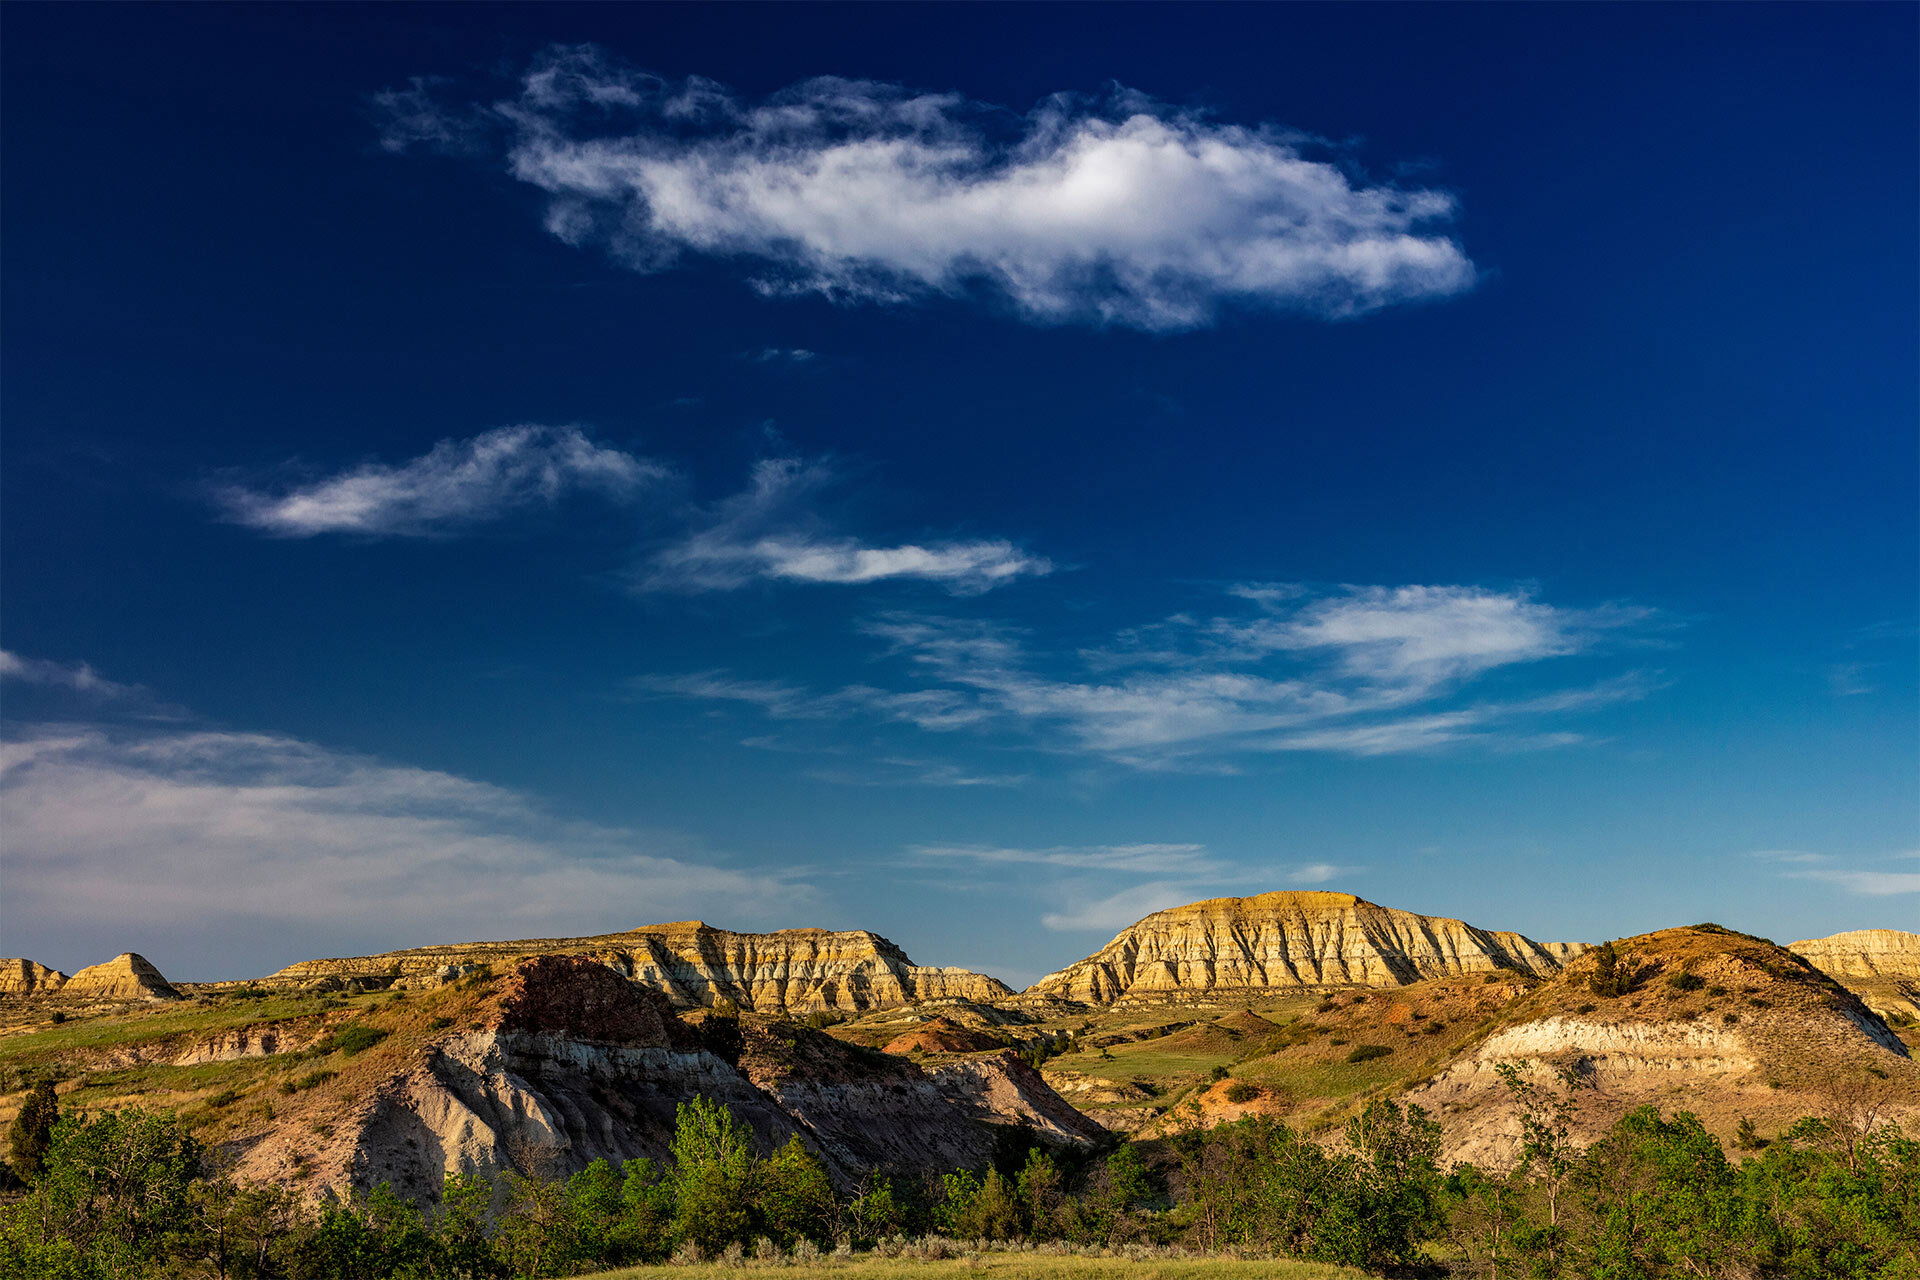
(119, 1057)
(1015, 1266)
(1302, 1062)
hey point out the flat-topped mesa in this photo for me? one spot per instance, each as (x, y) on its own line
(1287, 941)
(22, 977)
(693, 963)
(125, 977)
(1864, 953)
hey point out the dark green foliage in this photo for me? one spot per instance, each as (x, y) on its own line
(1684, 981)
(1240, 1091)
(1610, 978)
(128, 1196)
(1368, 1052)
(32, 1131)
(356, 1037)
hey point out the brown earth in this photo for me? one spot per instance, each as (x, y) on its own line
(1702, 1019)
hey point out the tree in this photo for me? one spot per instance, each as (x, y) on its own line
(1042, 1191)
(795, 1196)
(32, 1131)
(712, 1175)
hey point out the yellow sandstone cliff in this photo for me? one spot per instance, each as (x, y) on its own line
(1289, 940)
(693, 963)
(1881, 966)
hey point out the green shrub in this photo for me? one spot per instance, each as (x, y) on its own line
(1368, 1052)
(354, 1038)
(1240, 1091)
(1684, 981)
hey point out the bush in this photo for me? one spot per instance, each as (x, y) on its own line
(1368, 1052)
(354, 1038)
(1240, 1091)
(1686, 981)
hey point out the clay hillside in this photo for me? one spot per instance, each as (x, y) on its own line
(1289, 941)
(1881, 966)
(692, 964)
(538, 1067)
(1698, 1019)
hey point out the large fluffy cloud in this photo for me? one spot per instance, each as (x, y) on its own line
(220, 854)
(1116, 211)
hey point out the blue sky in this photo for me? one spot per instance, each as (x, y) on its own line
(977, 474)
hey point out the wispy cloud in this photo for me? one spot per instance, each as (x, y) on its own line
(457, 484)
(1115, 911)
(1870, 882)
(1359, 671)
(112, 835)
(773, 531)
(1149, 859)
(782, 355)
(1116, 210)
(896, 771)
(76, 676)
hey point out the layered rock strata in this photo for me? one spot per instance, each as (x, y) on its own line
(1288, 941)
(569, 1063)
(1881, 966)
(693, 964)
(21, 977)
(1737, 1027)
(125, 977)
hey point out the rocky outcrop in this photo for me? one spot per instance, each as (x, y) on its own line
(125, 977)
(19, 977)
(567, 1062)
(1881, 966)
(263, 1041)
(1732, 1025)
(694, 964)
(1288, 941)
(1864, 953)
(942, 1035)
(1001, 1088)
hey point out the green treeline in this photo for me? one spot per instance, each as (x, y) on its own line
(129, 1195)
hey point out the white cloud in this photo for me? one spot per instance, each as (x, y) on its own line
(212, 848)
(1868, 883)
(1360, 671)
(77, 676)
(782, 355)
(1318, 873)
(772, 531)
(1116, 911)
(1118, 211)
(1876, 884)
(457, 484)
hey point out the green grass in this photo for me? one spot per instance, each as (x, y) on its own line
(1010, 1266)
(84, 1035)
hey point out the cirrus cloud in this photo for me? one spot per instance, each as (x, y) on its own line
(456, 484)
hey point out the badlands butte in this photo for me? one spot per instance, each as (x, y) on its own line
(541, 1055)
